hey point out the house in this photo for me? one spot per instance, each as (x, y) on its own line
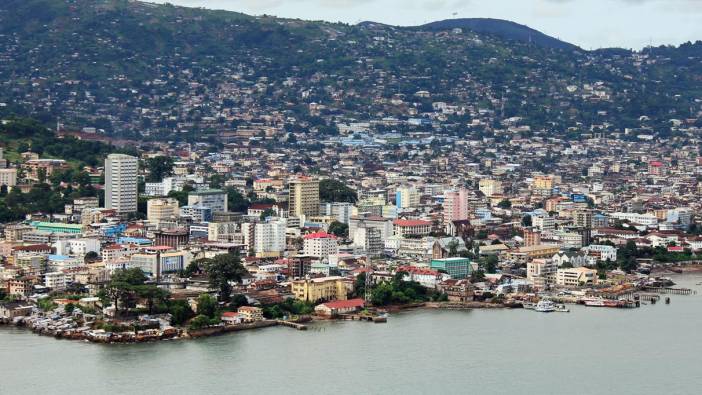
(336, 307)
(10, 310)
(232, 318)
(250, 313)
(457, 290)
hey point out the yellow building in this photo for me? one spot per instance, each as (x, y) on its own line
(543, 182)
(304, 197)
(490, 187)
(319, 289)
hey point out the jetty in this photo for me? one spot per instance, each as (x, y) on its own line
(671, 291)
(294, 325)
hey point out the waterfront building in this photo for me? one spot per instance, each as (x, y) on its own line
(457, 268)
(320, 289)
(121, 192)
(576, 277)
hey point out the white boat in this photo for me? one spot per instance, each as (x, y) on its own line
(545, 306)
(593, 302)
(529, 305)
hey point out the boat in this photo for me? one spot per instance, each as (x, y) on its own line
(561, 308)
(545, 306)
(594, 302)
(529, 305)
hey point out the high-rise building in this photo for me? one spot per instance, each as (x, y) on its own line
(265, 239)
(121, 183)
(303, 196)
(406, 197)
(456, 206)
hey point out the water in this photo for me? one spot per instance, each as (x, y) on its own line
(653, 350)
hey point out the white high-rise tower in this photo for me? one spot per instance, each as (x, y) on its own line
(121, 183)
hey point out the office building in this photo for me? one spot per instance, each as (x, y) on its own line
(121, 183)
(303, 197)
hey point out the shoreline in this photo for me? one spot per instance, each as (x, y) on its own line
(176, 333)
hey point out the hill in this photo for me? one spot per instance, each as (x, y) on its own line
(143, 71)
(504, 29)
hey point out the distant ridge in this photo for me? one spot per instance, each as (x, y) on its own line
(503, 29)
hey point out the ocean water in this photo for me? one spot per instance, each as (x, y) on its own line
(656, 349)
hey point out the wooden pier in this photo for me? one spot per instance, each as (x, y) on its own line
(294, 325)
(671, 291)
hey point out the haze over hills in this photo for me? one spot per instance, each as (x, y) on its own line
(134, 69)
(505, 29)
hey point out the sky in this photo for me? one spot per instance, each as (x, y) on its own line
(588, 23)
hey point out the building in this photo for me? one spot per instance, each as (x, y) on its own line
(158, 210)
(197, 214)
(490, 187)
(340, 211)
(531, 237)
(641, 219)
(369, 239)
(457, 290)
(582, 218)
(456, 205)
(576, 277)
(544, 223)
(215, 199)
(544, 183)
(121, 192)
(457, 268)
(58, 227)
(265, 239)
(172, 237)
(8, 177)
(603, 252)
(382, 224)
(320, 289)
(303, 197)
(334, 308)
(320, 245)
(406, 197)
(250, 313)
(77, 247)
(414, 227)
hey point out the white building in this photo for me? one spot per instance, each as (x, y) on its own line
(543, 223)
(77, 247)
(121, 183)
(8, 177)
(603, 252)
(215, 199)
(642, 219)
(320, 245)
(341, 211)
(576, 277)
(266, 239)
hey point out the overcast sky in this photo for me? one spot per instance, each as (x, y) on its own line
(588, 23)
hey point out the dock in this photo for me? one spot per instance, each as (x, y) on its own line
(294, 325)
(671, 291)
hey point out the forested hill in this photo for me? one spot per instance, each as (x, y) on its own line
(144, 70)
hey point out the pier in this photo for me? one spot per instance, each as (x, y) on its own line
(671, 291)
(294, 325)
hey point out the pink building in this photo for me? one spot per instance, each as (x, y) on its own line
(456, 205)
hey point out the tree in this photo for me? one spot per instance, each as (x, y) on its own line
(159, 167)
(477, 276)
(526, 221)
(153, 295)
(267, 213)
(491, 264)
(505, 204)
(206, 305)
(339, 229)
(336, 191)
(180, 311)
(221, 270)
(91, 256)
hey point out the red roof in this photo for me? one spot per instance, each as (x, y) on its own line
(417, 270)
(230, 314)
(411, 222)
(656, 163)
(319, 235)
(345, 304)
